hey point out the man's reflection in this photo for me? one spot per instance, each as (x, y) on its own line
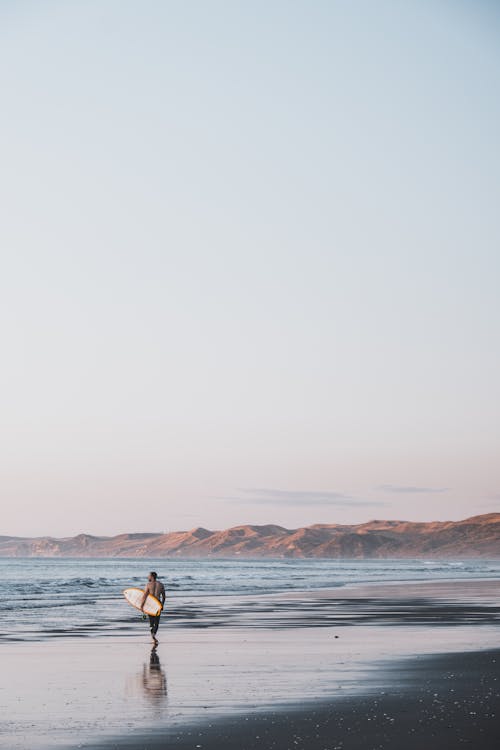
(154, 680)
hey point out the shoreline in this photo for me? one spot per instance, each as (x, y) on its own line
(277, 654)
(444, 601)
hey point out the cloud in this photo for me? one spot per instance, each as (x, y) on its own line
(267, 496)
(410, 489)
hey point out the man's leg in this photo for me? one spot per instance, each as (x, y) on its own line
(153, 625)
(152, 619)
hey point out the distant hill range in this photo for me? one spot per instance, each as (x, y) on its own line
(474, 537)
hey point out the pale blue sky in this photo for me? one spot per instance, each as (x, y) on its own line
(250, 263)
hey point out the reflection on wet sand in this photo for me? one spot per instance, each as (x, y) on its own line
(150, 684)
(154, 680)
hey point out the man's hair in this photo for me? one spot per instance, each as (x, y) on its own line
(155, 575)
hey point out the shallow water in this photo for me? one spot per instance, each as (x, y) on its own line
(51, 597)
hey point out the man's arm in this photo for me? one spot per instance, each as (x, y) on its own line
(162, 595)
(146, 592)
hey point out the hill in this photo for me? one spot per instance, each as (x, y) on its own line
(478, 536)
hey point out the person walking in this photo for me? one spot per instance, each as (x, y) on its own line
(157, 589)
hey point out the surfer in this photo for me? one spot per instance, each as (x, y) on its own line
(155, 588)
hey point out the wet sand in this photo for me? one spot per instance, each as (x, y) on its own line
(295, 661)
(440, 703)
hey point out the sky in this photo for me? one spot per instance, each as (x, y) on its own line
(250, 263)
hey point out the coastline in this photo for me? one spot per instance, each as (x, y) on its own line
(312, 648)
(78, 610)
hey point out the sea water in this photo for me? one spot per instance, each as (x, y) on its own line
(53, 597)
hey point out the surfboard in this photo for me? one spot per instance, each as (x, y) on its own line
(152, 605)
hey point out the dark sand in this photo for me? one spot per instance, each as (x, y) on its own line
(441, 702)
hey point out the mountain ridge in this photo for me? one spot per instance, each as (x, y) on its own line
(477, 536)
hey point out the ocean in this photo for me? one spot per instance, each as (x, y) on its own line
(56, 597)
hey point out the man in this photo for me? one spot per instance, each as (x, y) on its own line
(155, 588)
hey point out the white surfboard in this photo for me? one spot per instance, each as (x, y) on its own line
(152, 605)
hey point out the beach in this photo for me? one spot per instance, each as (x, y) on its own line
(366, 664)
(250, 374)
(444, 702)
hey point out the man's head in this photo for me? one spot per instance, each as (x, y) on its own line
(152, 576)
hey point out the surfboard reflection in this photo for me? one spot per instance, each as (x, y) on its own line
(154, 680)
